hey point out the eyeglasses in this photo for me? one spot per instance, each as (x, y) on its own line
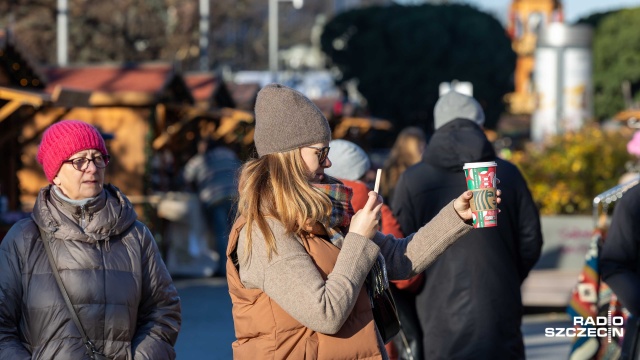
(323, 152)
(81, 164)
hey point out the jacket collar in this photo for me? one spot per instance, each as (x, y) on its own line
(458, 142)
(73, 211)
(109, 214)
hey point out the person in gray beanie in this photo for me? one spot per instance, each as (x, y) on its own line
(350, 163)
(298, 257)
(477, 280)
(454, 105)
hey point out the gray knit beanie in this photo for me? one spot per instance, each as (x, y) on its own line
(454, 105)
(286, 120)
(349, 161)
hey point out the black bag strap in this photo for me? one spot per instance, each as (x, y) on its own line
(91, 348)
(408, 353)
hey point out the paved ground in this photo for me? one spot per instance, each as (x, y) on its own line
(539, 347)
(207, 328)
(207, 325)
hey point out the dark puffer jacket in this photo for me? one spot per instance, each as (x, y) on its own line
(112, 271)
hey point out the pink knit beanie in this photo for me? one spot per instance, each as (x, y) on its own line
(63, 139)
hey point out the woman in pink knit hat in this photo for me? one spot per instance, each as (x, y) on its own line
(82, 278)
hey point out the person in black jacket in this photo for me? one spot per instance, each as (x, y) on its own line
(470, 306)
(620, 259)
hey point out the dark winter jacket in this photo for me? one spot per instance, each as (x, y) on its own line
(114, 275)
(470, 306)
(620, 258)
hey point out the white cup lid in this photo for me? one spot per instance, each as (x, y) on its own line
(474, 165)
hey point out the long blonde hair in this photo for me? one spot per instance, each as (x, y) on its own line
(406, 151)
(277, 186)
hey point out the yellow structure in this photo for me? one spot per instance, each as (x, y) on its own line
(526, 17)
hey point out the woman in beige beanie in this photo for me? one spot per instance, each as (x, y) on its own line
(298, 257)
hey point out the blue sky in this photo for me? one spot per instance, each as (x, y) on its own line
(573, 9)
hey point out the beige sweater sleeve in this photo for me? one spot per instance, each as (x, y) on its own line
(413, 254)
(291, 279)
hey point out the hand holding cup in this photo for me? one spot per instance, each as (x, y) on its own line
(462, 204)
(482, 182)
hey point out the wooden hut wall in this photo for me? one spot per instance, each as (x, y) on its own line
(30, 175)
(4, 79)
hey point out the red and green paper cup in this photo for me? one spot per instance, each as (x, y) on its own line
(481, 180)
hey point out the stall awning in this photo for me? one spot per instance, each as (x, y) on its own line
(18, 98)
(229, 119)
(362, 123)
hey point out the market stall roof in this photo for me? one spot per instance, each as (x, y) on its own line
(364, 124)
(209, 89)
(17, 98)
(227, 120)
(141, 84)
(244, 94)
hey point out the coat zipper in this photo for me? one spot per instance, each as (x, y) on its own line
(104, 292)
(83, 224)
(83, 214)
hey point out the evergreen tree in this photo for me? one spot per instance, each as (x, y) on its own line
(400, 54)
(616, 59)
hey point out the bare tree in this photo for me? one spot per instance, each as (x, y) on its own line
(160, 30)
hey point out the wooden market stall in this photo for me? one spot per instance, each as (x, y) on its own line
(130, 104)
(147, 112)
(21, 95)
(209, 90)
(214, 115)
(244, 95)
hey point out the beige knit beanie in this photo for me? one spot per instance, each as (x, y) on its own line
(286, 120)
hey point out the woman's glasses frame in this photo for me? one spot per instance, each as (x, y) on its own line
(323, 153)
(82, 163)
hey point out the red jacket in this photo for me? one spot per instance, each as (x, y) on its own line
(388, 226)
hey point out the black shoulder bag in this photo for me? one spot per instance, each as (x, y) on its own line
(93, 353)
(384, 310)
(385, 313)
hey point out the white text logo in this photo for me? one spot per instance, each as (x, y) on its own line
(599, 326)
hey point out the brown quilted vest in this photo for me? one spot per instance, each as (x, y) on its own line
(265, 331)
